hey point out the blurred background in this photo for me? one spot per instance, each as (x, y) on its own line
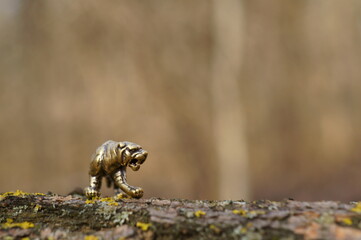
(233, 99)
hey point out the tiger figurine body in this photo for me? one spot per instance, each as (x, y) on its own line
(111, 160)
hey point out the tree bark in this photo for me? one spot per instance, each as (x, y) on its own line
(51, 216)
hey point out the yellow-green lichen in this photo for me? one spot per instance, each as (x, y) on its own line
(346, 221)
(357, 208)
(11, 224)
(91, 201)
(248, 214)
(143, 226)
(121, 196)
(19, 193)
(106, 199)
(215, 229)
(240, 212)
(37, 208)
(91, 237)
(199, 213)
(110, 201)
(113, 204)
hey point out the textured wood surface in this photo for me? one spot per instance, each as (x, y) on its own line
(49, 216)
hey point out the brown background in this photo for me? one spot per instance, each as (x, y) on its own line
(233, 99)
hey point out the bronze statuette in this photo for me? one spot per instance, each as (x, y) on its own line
(111, 161)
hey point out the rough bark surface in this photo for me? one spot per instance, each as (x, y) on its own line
(49, 216)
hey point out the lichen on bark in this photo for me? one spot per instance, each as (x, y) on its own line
(50, 216)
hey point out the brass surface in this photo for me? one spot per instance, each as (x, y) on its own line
(111, 161)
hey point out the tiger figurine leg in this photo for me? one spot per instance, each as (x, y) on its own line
(120, 181)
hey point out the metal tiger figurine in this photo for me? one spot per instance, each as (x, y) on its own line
(111, 160)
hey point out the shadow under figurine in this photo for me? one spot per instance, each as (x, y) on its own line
(111, 161)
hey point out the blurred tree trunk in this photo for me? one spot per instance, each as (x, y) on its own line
(299, 88)
(228, 116)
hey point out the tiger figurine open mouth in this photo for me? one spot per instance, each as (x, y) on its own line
(111, 160)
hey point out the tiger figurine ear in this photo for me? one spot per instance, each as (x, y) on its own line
(121, 144)
(121, 148)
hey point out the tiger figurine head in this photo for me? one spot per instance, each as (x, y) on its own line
(133, 155)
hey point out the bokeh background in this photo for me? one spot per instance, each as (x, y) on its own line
(233, 99)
